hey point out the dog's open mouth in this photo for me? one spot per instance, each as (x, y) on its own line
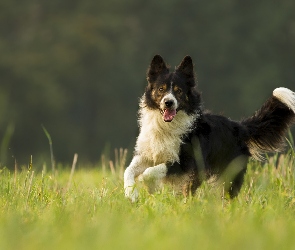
(169, 114)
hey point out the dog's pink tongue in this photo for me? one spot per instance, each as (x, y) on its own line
(169, 115)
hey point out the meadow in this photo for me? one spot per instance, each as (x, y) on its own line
(84, 208)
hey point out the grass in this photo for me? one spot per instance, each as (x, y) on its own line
(86, 209)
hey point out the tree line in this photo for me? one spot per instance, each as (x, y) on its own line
(78, 67)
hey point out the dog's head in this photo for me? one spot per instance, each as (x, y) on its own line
(172, 92)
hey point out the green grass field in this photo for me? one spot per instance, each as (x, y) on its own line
(87, 210)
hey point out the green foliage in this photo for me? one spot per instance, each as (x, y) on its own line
(41, 212)
(78, 67)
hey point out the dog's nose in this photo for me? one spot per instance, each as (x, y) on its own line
(169, 103)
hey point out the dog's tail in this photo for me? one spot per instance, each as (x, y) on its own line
(267, 127)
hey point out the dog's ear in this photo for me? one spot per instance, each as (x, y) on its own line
(186, 67)
(157, 67)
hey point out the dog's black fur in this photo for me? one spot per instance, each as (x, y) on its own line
(215, 145)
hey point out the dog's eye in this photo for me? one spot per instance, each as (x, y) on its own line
(179, 91)
(161, 89)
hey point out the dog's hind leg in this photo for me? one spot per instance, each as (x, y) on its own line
(233, 176)
(237, 184)
(190, 186)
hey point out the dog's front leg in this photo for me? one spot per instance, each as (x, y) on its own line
(153, 176)
(136, 167)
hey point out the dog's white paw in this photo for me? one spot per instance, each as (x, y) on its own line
(131, 193)
(152, 179)
(148, 175)
(155, 173)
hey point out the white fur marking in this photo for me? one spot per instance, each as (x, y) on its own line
(286, 96)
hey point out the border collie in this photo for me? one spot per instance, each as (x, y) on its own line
(181, 143)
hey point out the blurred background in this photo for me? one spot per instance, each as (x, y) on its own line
(78, 67)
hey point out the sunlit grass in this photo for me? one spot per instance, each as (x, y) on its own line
(40, 210)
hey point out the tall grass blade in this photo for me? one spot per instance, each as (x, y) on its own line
(72, 171)
(51, 148)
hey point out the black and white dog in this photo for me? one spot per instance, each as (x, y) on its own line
(181, 143)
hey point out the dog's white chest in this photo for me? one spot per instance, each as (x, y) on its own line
(157, 147)
(159, 141)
